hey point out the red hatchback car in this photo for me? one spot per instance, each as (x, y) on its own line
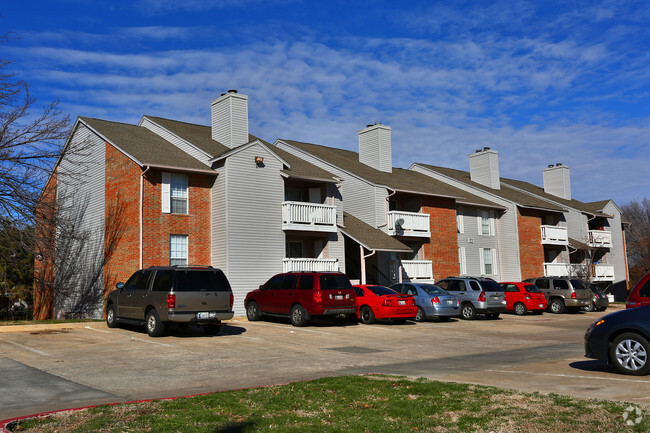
(640, 294)
(524, 297)
(379, 302)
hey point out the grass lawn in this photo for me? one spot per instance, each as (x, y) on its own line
(353, 404)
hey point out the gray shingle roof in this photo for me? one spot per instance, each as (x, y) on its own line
(143, 145)
(370, 237)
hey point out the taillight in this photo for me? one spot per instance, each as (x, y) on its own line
(527, 296)
(481, 297)
(435, 300)
(232, 300)
(574, 296)
(412, 301)
(171, 300)
(318, 296)
(388, 302)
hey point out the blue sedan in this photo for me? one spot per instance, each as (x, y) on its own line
(432, 301)
(622, 339)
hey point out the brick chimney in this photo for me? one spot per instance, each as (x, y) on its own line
(484, 168)
(557, 181)
(230, 119)
(375, 147)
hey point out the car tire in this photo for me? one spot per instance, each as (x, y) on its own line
(366, 315)
(111, 317)
(155, 327)
(468, 312)
(629, 354)
(421, 315)
(520, 309)
(444, 318)
(556, 306)
(212, 329)
(589, 308)
(253, 311)
(298, 315)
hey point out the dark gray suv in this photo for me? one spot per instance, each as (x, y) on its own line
(157, 296)
(476, 295)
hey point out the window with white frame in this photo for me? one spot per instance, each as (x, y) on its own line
(488, 259)
(174, 193)
(178, 250)
(462, 262)
(485, 221)
(460, 225)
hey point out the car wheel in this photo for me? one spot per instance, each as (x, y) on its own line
(298, 315)
(212, 329)
(253, 311)
(366, 315)
(468, 312)
(589, 308)
(444, 318)
(556, 306)
(629, 354)
(520, 309)
(110, 316)
(420, 316)
(155, 327)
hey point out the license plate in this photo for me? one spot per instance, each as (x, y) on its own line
(402, 302)
(449, 302)
(202, 315)
(338, 297)
(541, 305)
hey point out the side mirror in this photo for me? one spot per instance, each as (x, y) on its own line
(120, 285)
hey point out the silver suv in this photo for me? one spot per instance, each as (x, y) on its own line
(563, 293)
(163, 295)
(476, 295)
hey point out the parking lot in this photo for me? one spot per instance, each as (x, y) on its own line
(61, 366)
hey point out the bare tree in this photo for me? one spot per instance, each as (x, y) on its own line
(637, 235)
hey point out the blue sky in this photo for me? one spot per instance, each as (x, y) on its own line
(540, 82)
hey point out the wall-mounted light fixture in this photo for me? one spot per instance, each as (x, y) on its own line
(259, 161)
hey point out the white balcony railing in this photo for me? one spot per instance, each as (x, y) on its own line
(555, 235)
(310, 265)
(598, 272)
(408, 224)
(417, 270)
(600, 238)
(308, 216)
(602, 273)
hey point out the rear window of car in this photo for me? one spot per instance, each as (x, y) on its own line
(334, 282)
(201, 281)
(644, 291)
(162, 281)
(491, 286)
(531, 288)
(578, 284)
(381, 290)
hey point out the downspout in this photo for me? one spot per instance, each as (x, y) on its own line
(141, 212)
(363, 263)
(386, 208)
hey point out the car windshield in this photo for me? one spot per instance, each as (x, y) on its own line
(491, 286)
(381, 290)
(531, 288)
(430, 289)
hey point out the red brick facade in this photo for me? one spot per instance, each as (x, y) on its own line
(531, 250)
(443, 247)
(44, 251)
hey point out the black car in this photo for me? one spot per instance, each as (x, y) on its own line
(622, 339)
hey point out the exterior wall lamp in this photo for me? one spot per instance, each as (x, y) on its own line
(259, 161)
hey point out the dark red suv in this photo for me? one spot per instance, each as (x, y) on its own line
(301, 296)
(640, 294)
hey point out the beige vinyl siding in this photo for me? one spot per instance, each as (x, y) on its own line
(218, 220)
(473, 242)
(615, 255)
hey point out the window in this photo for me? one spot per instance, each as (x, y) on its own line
(462, 262)
(294, 250)
(460, 226)
(488, 258)
(174, 193)
(178, 250)
(485, 221)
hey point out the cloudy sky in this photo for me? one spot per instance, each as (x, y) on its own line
(540, 82)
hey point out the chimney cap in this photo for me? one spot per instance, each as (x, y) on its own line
(559, 164)
(551, 166)
(485, 148)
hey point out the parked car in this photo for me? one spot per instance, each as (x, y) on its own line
(622, 339)
(431, 300)
(640, 294)
(599, 301)
(379, 302)
(301, 296)
(522, 297)
(562, 293)
(162, 295)
(476, 296)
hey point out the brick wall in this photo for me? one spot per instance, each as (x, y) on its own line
(531, 250)
(442, 250)
(44, 251)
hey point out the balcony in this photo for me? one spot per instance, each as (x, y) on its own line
(310, 265)
(412, 224)
(600, 238)
(602, 273)
(308, 217)
(417, 270)
(555, 235)
(597, 272)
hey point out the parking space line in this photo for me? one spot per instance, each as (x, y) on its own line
(617, 379)
(31, 349)
(131, 338)
(291, 330)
